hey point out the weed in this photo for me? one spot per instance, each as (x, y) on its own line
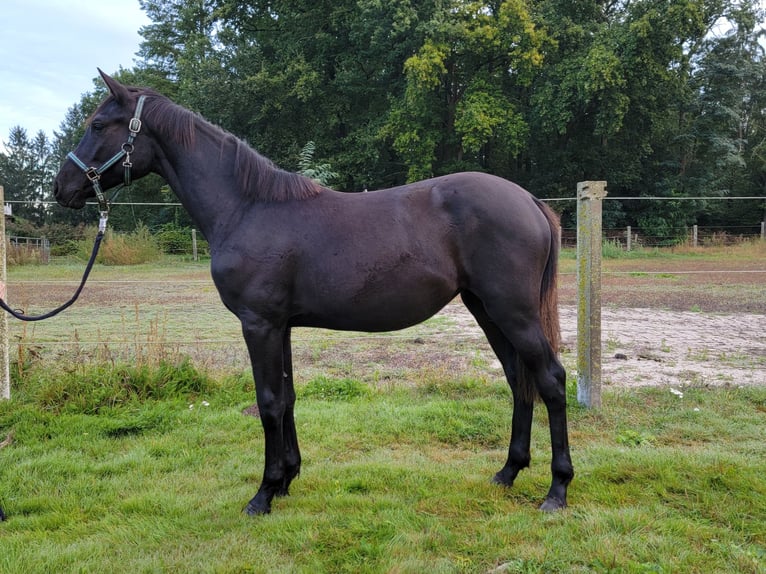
(612, 249)
(631, 437)
(333, 389)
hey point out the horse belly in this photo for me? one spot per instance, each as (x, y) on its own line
(376, 301)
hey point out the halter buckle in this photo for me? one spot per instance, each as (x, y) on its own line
(92, 174)
(102, 220)
(134, 125)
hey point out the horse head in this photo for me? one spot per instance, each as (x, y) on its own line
(108, 154)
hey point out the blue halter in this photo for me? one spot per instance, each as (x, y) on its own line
(94, 174)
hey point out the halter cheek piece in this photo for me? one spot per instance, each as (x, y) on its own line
(94, 174)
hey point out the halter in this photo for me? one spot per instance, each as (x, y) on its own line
(94, 174)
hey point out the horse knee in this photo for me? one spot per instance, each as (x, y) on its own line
(272, 408)
(551, 386)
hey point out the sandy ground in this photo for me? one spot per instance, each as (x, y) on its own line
(645, 347)
(657, 347)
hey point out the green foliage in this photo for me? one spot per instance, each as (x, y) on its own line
(630, 437)
(465, 77)
(122, 248)
(173, 239)
(88, 389)
(657, 97)
(319, 172)
(333, 389)
(484, 115)
(26, 167)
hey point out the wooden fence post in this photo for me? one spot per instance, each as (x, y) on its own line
(589, 208)
(628, 238)
(194, 244)
(695, 234)
(5, 377)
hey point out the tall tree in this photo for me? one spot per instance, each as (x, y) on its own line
(462, 105)
(280, 73)
(608, 102)
(26, 171)
(725, 135)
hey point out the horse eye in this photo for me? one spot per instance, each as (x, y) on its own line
(97, 126)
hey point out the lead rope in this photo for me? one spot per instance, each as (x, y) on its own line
(94, 175)
(88, 267)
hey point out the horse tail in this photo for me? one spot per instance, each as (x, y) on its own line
(549, 293)
(549, 304)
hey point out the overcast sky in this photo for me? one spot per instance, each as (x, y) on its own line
(49, 53)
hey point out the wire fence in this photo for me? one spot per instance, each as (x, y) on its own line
(629, 237)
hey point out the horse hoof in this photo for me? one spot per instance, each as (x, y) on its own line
(503, 479)
(256, 509)
(553, 505)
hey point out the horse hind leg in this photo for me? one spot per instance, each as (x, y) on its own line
(538, 371)
(549, 378)
(523, 404)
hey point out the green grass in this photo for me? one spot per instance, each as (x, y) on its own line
(394, 480)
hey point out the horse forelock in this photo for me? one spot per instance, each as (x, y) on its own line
(257, 176)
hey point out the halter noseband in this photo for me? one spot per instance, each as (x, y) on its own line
(94, 174)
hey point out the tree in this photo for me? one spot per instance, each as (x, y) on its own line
(462, 106)
(611, 100)
(543, 92)
(26, 172)
(725, 135)
(280, 73)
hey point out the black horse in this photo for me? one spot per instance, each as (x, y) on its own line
(287, 252)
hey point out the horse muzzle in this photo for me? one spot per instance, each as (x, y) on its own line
(69, 196)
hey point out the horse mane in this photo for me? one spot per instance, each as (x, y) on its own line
(259, 178)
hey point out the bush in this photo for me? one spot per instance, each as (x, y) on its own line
(173, 239)
(21, 254)
(123, 248)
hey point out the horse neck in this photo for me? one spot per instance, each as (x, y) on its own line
(203, 178)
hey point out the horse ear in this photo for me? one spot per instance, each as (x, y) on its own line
(119, 91)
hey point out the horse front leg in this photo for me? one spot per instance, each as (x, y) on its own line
(265, 346)
(289, 434)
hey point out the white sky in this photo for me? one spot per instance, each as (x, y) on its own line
(49, 52)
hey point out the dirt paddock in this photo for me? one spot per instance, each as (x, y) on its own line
(698, 320)
(667, 323)
(652, 347)
(657, 347)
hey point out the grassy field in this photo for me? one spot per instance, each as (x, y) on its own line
(125, 447)
(393, 481)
